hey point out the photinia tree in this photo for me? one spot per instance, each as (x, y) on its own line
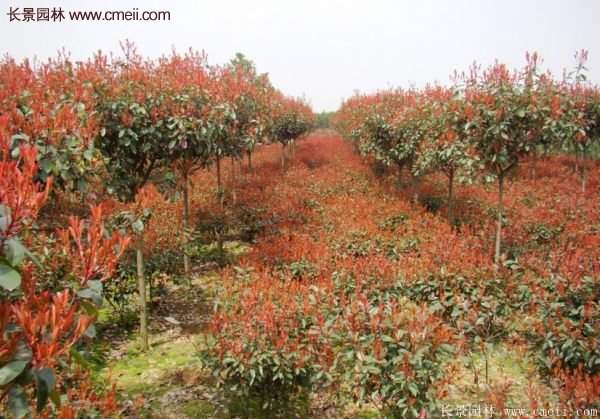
(409, 131)
(134, 112)
(376, 139)
(368, 120)
(507, 127)
(186, 78)
(578, 104)
(240, 112)
(393, 129)
(221, 118)
(447, 143)
(292, 118)
(252, 105)
(226, 90)
(515, 113)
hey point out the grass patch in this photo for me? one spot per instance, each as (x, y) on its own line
(197, 409)
(138, 372)
(506, 368)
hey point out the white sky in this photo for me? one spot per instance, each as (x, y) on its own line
(325, 50)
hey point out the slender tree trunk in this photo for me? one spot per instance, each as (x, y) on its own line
(283, 157)
(415, 186)
(249, 154)
(186, 226)
(142, 291)
(232, 187)
(583, 178)
(499, 227)
(220, 247)
(400, 174)
(450, 195)
(218, 173)
(219, 183)
(475, 372)
(487, 367)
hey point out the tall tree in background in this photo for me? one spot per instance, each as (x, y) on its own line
(134, 112)
(292, 118)
(189, 146)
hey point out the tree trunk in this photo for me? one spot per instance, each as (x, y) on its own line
(487, 368)
(283, 158)
(232, 187)
(219, 183)
(232, 169)
(218, 173)
(142, 291)
(220, 247)
(249, 154)
(186, 225)
(415, 185)
(499, 227)
(400, 174)
(450, 195)
(583, 177)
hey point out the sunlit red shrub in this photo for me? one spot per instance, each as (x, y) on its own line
(41, 326)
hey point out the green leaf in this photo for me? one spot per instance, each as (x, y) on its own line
(252, 376)
(47, 166)
(138, 226)
(44, 383)
(78, 358)
(15, 251)
(446, 348)
(23, 353)
(89, 308)
(4, 221)
(90, 294)
(88, 154)
(96, 286)
(11, 371)
(90, 332)
(55, 397)
(10, 279)
(414, 390)
(33, 258)
(17, 402)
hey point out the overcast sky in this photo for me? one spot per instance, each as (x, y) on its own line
(325, 50)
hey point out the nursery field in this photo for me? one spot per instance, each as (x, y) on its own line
(180, 239)
(343, 271)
